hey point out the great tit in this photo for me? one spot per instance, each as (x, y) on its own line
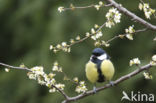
(99, 68)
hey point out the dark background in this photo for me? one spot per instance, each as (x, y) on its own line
(28, 27)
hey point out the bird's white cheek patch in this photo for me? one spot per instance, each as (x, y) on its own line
(102, 57)
(91, 57)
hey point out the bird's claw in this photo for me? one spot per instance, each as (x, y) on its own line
(94, 89)
(112, 83)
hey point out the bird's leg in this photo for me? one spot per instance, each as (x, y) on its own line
(94, 88)
(112, 83)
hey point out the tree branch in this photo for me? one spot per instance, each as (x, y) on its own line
(13, 67)
(70, 99)
(121, 79)
(27, 69)
(132, 15)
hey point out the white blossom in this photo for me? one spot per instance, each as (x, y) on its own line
(113, 16)
(31, 75)
(97, 7)
(87, 34)
(38, 70)
(109, 24)
(78, 37)
(101, 3)
(97, 35)
(96, 26)
(81, 87)
(129, 32)
(146, 9)
(152, 63)
(93, 31)
(154, 58)
(7, 70)
(147, 75)
(51, 47)
(60, 86)
(52, 90)
(64, 44)
(60, 9)
(41, 80)
(140, 6)
(55, 68)
(129, 36)
(50, 82)
(76, 79)
(134, 61)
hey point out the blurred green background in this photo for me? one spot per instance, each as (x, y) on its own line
(28, 27)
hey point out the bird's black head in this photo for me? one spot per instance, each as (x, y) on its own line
(99, 54)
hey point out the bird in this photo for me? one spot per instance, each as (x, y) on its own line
(99, 68)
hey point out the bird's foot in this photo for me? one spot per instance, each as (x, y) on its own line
(94, 89)
(112, 83)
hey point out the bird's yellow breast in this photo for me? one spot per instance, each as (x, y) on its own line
(91, 72)
(106, 67)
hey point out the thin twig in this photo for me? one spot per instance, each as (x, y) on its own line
(142, 1)
(118, 36)
(141, 30)
(13, 67)
(61, 91)
(84, 7)
(68, 79)
(115, 37)
(132, 15)
(81, 7)
(76, 42)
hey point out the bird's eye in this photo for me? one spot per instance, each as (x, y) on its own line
(96, 54)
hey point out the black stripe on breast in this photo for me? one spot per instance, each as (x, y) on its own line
(100, 75)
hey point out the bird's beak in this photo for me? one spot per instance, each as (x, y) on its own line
(93, 57)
